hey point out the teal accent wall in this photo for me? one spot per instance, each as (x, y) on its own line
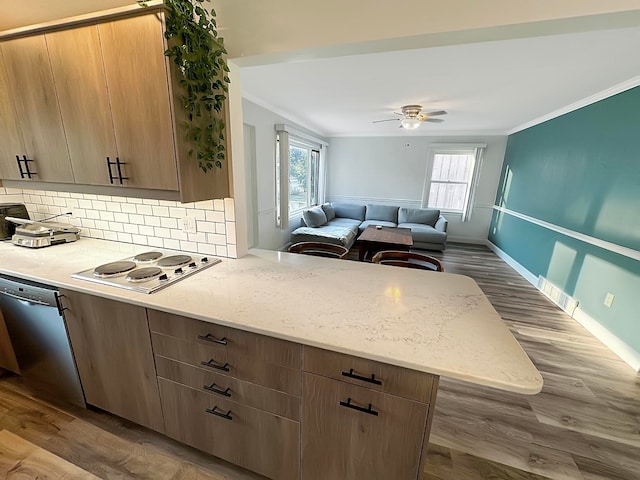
(580, 171)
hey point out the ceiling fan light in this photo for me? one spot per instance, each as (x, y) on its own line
(410, 123)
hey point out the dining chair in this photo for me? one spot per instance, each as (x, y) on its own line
(407, 259)
(319, 249)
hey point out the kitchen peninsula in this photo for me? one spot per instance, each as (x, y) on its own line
(325, 353)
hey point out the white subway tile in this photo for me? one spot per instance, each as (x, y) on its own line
(90, 196)
(188, 246)
(229, 209)
(124, 237)
(218, 204)
(116, 227)
(106, 216)
(72, 203)
(232, 251)
(139, 239)
(94, 233)
(206, 227)
(135, 218)
(76, 195)
(197, 237)
(216, 239)
(221, 228)
(160, 211)
(85, 204)
(197, 214)
(64, 194)
(121, 217)
(144, 209)
(206, 249)
(113, 207)
(162, 232)
(118, 199)
(54, 210)
(109, 235)
(47, 200)
(231, 232)
(134, 200)
(169, 222)
(129, 228)
(144, 230)
(167, 203)
(171, 243)
(60, 202)
(92, 214)
(102, 225)
(205, 204)
(221, 250)
(150, 201)
(87, 223)
(213, 216)
(155, 242)
(177, 212)
(128, 208)
(149, 220)
(178, 235)
(99, 204)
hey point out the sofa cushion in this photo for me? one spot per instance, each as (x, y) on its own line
(349, 210)
(329, 211)
(338, 234)
(314, 217)
(426, 216)
(345, 222)
(424, 233)
(382, 212)
(369, 223)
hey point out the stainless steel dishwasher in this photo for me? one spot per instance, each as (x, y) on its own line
(38, 333)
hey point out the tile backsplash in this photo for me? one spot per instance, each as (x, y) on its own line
(156, 223)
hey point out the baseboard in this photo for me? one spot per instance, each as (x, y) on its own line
(629, 355)
(526, 274)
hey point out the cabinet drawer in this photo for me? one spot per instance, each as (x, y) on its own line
(231, 388)
(247, 366)
(260, 441)
(237, 342)
(341, 440)
(358, 371)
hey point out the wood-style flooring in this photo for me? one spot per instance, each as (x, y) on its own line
(584, 425)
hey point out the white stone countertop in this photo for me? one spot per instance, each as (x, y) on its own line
(438, 323)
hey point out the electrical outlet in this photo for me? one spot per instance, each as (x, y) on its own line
(608, 300)
(189, 225)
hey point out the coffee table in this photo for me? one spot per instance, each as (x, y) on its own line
(375, 239)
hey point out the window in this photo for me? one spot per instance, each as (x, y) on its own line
(299, 160)
(453, 177)
(303, 176)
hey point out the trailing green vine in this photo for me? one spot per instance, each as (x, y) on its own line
(198, 53)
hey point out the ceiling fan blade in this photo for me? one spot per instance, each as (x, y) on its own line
(433, 120)
(435, 114)
(387, 120)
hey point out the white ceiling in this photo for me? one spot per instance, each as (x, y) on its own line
(489, 87)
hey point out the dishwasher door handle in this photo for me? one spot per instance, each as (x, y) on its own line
(28, 300)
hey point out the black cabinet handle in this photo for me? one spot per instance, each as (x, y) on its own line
(213, 364)
(59, 304)
(109, 163)
(212, 338)
(371, 379)
(368, 410)
(26, 170)
(215, 411)
(20, 166)
(118, 166)
(212, 388)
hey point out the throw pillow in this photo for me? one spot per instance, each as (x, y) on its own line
(329, 211)
(314, 217)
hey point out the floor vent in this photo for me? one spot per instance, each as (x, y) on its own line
(557, 296)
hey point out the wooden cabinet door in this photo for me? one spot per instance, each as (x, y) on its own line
(343, 442)
(112, 347)
(32, 90)
(76, 61)
(134, 63)
(10, 138)
(8, 359)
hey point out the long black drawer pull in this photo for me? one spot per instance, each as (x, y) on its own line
(213, 364)
(22, 174)
(371, 379)
(368, 410)
(215, 411)
(109, 163)
(119, 167)
(212, 338)
(212, 388)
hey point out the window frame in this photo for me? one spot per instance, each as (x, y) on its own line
(313, 167)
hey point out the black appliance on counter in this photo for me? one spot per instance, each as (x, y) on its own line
(18, 210)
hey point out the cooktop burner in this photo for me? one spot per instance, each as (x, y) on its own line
(147, 257)
(174, 261)
(148, 271)
(115, 268)
(143, 274)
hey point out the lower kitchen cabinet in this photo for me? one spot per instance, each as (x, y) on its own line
(8, 359)
(352, 432)
(112, 348)
(259, 441)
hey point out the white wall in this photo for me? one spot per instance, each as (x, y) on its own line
(263, 122)
(392, 170)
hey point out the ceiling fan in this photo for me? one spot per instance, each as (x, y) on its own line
(411, 117)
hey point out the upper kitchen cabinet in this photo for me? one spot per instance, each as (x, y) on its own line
(118, 97)
(36, 125)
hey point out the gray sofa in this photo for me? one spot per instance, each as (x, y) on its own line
(341, 223)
